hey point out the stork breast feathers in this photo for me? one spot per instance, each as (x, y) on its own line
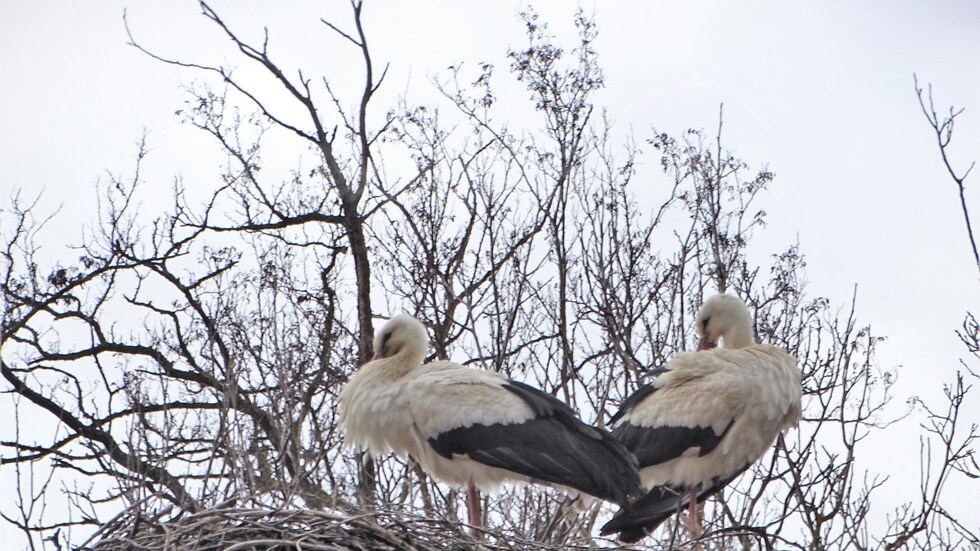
(375, 420)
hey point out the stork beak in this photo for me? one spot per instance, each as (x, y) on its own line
(706, 344)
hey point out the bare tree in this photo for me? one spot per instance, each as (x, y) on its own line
(189, 358)
(946, 447)
(944, 135)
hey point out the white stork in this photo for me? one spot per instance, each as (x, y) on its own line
(473, 428)
(706, 419)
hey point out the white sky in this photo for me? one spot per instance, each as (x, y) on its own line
(821, 91)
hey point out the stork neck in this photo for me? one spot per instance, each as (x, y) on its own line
(402, 363)
(739, 336)
(413, 356)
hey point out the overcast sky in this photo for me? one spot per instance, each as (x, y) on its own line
(820, 91)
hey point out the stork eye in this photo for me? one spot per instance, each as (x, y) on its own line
(704, 323)
(382, 348)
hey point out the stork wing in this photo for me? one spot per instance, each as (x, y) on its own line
(641, 517)
(661, 443)
(515, 427)
(630, 402)
(682, 413)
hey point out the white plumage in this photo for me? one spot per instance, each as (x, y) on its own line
(707, 419)
(475, 428)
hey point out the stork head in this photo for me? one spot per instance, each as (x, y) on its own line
(724, 317)
(402, 336)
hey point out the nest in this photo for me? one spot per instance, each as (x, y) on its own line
(239, 529)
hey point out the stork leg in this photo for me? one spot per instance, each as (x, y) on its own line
(693, 522)
(474, 510)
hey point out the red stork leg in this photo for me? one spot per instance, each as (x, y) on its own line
(693, 522)
(474, 510)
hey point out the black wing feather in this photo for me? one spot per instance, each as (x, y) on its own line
(644, 515)
(553, 446)
(656, 445)
(630, 402)
(653, 445)
(542, 403)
